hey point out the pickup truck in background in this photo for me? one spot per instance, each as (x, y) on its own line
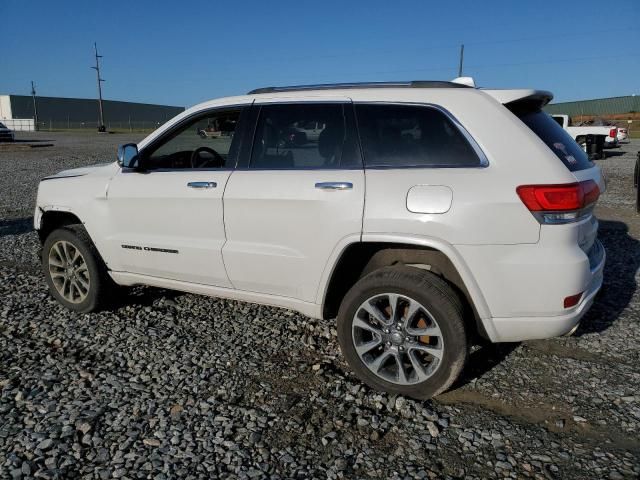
(601, 135)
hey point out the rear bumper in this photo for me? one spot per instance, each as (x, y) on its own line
(516, 329)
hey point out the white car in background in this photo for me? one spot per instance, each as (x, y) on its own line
(6, 134)
(426, 215)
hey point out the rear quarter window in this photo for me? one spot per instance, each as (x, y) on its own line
(556, 138)
(412, 136)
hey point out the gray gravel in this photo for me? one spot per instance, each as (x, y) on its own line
(170, 385)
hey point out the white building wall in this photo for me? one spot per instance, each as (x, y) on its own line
(19, 124)
(6, 117)
(5, 107)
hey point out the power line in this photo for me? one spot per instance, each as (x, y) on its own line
(500, 65)
(275, 61)
(414, 72)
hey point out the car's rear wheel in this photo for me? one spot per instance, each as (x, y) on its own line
(401, 329)
(73, 269)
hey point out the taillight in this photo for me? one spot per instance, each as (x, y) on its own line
(613, 132)
(559, 203)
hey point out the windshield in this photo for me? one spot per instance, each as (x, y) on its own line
(556, 138)
(2, 125)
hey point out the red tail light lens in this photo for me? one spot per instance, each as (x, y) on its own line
(573, 300)
(613, 132)
(591, 192)
(566, 199)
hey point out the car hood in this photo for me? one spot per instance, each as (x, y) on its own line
(100, 169)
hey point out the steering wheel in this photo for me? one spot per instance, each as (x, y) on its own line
(216, 162)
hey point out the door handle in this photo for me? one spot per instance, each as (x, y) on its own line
(334, 185)
(202, 184)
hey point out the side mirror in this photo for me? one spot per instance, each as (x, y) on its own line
(128, 155)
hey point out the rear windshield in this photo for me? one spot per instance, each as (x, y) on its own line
(556, 138)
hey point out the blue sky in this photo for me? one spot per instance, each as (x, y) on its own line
(181, 53)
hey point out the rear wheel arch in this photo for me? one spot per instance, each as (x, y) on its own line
(360, 259)
(402, 330)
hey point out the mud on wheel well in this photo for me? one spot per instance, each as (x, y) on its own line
(52, 220)
(361, 259)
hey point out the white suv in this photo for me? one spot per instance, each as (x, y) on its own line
(423, 216)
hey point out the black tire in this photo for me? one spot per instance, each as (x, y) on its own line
(100, 284)
(433, 293)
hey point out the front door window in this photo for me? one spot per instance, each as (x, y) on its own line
(205, 142)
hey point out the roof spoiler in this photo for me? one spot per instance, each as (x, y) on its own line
(523, 98)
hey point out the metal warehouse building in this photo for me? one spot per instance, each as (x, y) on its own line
(60, 113)
(600, 106)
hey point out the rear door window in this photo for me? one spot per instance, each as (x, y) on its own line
(302, 136)
(412, 136)
(556, 138)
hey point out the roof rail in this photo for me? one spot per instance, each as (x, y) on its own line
(341, 86)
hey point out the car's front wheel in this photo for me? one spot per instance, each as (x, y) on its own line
(73, 269)
(401, 329)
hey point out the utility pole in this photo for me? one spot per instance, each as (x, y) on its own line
(35, 107)
(461, 59)
(101, 127)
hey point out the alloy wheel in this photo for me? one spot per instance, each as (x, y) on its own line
(397, 338)
(69, 271)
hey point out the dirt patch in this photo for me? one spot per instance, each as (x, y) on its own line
(550, 347)
(14, 147)
(555, 418)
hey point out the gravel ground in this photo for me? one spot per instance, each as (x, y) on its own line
(171, 385)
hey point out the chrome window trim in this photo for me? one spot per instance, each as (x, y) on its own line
(484, 161)
(289, 169)
(167, 170)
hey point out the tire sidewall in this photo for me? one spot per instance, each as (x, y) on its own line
(445, 314)
(68, 235)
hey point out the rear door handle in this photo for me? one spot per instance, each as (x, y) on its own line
(202, 184)
(334, 185)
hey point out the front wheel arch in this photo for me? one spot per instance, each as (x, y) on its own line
(101, 286)
(51, 220)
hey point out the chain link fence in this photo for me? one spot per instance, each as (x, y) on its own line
(127, 125)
